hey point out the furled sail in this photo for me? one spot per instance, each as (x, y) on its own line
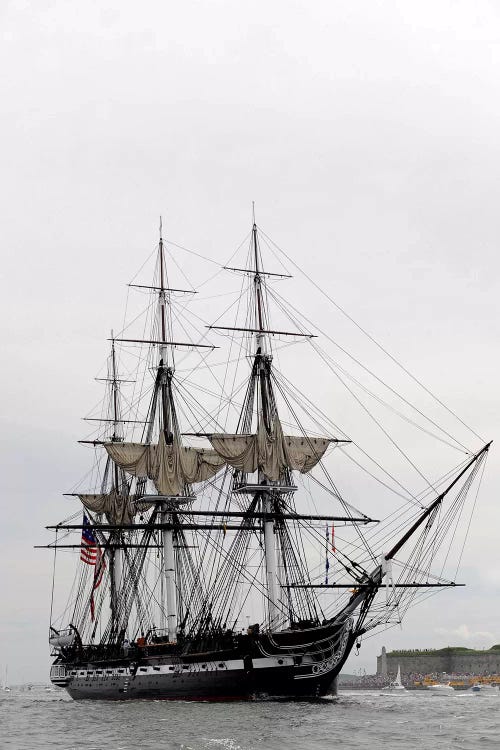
(170, 467)
(119, 509)
(270, 453)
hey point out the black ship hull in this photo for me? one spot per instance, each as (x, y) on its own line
(285, 674)
(231, 681)
(149, 558)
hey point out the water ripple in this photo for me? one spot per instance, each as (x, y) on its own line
(37, 720)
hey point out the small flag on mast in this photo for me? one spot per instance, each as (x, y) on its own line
(333, 538)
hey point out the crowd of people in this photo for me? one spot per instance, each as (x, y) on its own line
(409, 680)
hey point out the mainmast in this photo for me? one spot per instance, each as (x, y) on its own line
(116, 437)
(166, 371)
(262, 414)
(165, 352)
(258, 293)
(117, 552)
(266, 452)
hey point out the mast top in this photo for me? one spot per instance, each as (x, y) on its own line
(259, 304)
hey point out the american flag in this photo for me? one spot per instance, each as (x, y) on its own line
(88, 552)
(100, 565)
(92, 555)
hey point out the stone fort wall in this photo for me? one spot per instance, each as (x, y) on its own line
(452, 663)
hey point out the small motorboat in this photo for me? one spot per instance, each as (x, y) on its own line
(483, 688)
(441, 689)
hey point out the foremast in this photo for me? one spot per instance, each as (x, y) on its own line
(262, 455)
(168, 504)
(172, 467)
(116, 536)
(262, 359)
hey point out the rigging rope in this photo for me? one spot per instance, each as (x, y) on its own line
(371, 338)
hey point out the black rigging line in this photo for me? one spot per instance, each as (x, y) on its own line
(365, 409)
(449, 521)
(323, 467)
(401, 511)
(203, 257)
(471, 515)
(285, 304)
(53, 580)
(221, 386)
(381, 428)
(292, 388)
(335, 364)
(371, 338)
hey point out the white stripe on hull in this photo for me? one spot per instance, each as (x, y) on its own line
(217, 681)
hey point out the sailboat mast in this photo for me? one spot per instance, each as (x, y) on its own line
(269, 535)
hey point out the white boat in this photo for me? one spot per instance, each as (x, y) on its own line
(484, 689)
(441, 689)
(396, 686)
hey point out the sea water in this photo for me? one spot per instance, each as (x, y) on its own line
(37, 719)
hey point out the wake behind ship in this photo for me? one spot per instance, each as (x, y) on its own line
(200, 576)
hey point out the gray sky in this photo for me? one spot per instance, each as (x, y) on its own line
(367, 133)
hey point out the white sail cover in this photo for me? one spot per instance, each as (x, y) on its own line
(170, 467)
(271, 454)
(119, 509)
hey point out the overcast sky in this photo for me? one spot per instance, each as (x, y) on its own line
(366, 132)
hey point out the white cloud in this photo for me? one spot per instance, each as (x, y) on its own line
(464, 634)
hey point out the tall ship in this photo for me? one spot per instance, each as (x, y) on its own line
(210, 553)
